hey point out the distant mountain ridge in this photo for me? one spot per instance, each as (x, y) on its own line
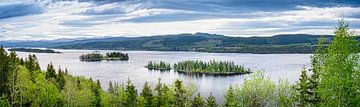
(203, 42)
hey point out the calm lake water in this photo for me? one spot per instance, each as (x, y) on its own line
(275, 66)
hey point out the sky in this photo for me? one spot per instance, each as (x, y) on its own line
(54, 19)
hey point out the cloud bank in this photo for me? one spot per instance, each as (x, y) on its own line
(53, 19)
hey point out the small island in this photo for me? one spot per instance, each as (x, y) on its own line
(152, 65)
(96, 56)
(211, 68)
(33, 50)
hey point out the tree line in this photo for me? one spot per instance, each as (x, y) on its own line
(95, 56)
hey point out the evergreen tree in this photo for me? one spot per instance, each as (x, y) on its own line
(96, 93)
(230, 99)
(317, 64)
(158, 94)
(130, 95)
(60, 79)
(50, 72)
(303, 90)
(180, 93)
(147, 95)
(211, 101)
(198, 101)
(4, 72)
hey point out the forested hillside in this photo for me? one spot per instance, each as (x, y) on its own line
(202, 42)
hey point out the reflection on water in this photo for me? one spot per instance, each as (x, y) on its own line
(277, 66)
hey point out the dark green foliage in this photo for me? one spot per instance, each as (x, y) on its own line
(95, 56)
(91, 57)
(116, 56)
(130, 95)
(60, 79)
(147, 95)
(32, 64)
(290, 43)
(4, 72)
(303, 88)
(50, 72)
(33, 50)
(198, 101)
(180, 94)
(213, 67)
(95, 88)
(152, 65)
(211, 101)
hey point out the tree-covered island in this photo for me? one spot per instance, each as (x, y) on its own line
(152, 65)
(95, 56)
(33, 50)
(212, 68)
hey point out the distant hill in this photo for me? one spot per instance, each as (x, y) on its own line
(202, 42)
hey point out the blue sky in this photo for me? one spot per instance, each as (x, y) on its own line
(53, 19)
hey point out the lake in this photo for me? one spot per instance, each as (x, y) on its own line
(275, 66)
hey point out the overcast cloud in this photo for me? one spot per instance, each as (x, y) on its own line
(52, 19)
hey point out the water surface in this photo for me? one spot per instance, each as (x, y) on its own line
(276, 66)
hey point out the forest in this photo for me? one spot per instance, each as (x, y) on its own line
(212, 67)
(33, 50)
(332, 80)
(109, 56)
(162, 66)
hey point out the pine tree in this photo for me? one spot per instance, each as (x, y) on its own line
(147, 95)
(211, 101)
(198, 101)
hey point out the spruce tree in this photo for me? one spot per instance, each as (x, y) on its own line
(50, 72)
(4, 72)
(230, 99)
(303, 90)
(317, 64)
(147, 95)
(96, 93)
(198, 101)
(211, 101)
(130, 95)
(180, 93)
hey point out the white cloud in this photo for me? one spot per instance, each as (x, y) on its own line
(71, 19)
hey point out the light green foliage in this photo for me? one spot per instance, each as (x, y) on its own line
(259, 91)
(147, 95)
(198, 101)
(211, 101)
(130, 95)
(303, 88)
(340, 79)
